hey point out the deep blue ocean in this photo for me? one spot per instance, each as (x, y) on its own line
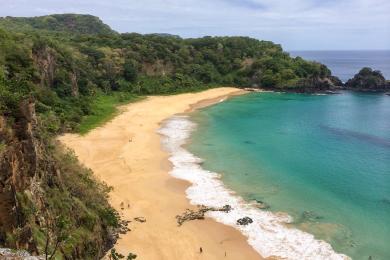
(345, 64)
(323, 159)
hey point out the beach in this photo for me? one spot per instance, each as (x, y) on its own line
(126, 153)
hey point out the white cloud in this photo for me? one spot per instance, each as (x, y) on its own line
(297, 24)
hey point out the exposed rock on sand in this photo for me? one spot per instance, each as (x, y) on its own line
(199, 214)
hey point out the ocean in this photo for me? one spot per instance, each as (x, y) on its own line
(345, 64)
(321, 163)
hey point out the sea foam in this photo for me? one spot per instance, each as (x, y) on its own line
(268, 234)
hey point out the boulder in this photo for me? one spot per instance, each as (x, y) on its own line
(244, 221)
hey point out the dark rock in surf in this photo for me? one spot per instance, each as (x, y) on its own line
(226, 209)
(244, 221)
(262, 205)
(310, 216)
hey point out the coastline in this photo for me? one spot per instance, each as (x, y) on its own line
(268, 235)
(126, 153)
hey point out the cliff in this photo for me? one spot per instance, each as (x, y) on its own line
(49, 204)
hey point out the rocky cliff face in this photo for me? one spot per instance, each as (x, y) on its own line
(317, 84)
(45, 60)
(21, 171)
(46, 198)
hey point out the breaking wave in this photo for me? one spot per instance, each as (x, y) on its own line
(268, 234)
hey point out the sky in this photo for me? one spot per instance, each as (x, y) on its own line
(295, 24)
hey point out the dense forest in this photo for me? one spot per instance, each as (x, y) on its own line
(66, 61)
(60, 73)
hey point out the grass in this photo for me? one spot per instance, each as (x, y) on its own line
(105, 107)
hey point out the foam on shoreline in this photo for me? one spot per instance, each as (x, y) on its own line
(267, 234)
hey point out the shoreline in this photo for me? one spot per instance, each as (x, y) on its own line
(269, 234)
(127, 154)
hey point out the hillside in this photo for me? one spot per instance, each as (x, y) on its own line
(70, 23)
(62, 73)
(73, 69)
(49, 204)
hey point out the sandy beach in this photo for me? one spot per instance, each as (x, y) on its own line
(126, 153)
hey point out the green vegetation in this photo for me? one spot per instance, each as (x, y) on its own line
(80, 203)
(74, 70)
(116, 256)
(71, 23)
(104, 108)
(76, 213)
(65, 62)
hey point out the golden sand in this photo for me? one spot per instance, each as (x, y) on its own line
(126, 154)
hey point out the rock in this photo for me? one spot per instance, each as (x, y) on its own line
(226, 208)
(191, 215)
(199, 214)
(367, 80)
(140, 219)
(310, 216)
(9, 254)
(336, 81)
(386, 201)
(262, 205)
(244, 221)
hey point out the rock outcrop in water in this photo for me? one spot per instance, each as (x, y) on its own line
(262, 205)
(368, 80)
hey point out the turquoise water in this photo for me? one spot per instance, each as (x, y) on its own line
(325, 160)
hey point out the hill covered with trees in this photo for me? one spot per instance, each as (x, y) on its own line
(71, 23)
(66, 61)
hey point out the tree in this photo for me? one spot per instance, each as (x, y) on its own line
(56, 233)
(130, 71)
